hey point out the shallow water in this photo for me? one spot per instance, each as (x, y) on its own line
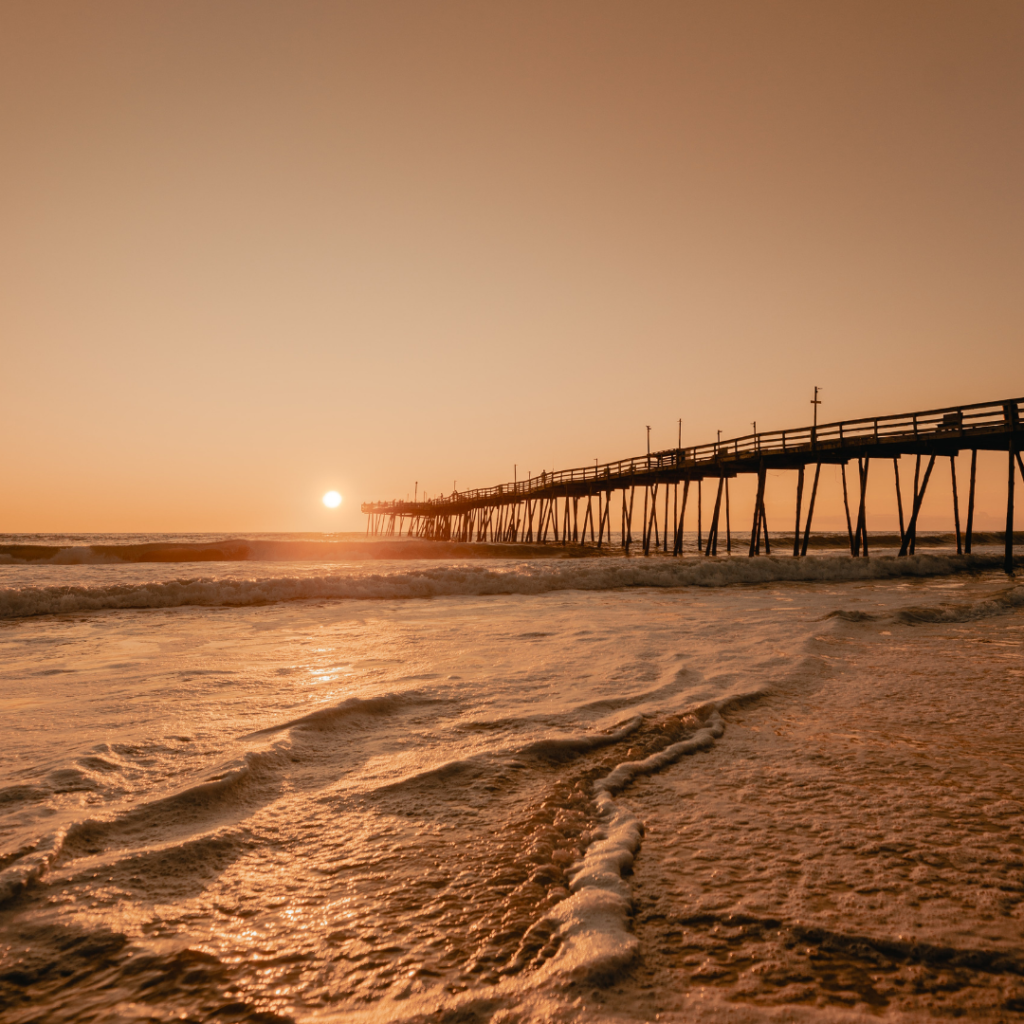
(513, 791)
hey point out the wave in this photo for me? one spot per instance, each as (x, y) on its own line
(246, 550)
(331, 717)
(168, 820)
(915, 615)
(1007, 601)
(851, 616)
(475, 580)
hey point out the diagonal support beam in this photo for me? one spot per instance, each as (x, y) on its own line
(912, 528)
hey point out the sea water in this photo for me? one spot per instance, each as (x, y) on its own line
(510, 788)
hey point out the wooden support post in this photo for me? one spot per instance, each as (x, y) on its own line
(846, 504)
(700, 506)
(1008, 549)
(799, 500)
(712, 548)
(629, 521)
(810, 510)
(675, 517)
(899, 497)
(970, 502)
(917, 479)
(862, 515)
(622, 521)
(664, 522)
(755, 529)
(908, 541)
(653, 528)
(728, 524)
(764, 524)
(643, 544)
(956, 506)
(682, 520)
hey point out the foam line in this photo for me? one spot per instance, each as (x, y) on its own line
(523, 577)
(593, 923)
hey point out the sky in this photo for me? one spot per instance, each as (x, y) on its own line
(253, 251)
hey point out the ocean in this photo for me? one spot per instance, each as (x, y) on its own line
(302, 778)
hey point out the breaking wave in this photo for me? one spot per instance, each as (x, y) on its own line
(477, 580)
(1002, 603)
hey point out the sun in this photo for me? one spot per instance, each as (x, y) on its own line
(332, 499)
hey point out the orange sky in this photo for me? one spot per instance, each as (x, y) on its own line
(252, 251)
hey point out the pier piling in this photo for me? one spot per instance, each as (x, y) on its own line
(528, 511)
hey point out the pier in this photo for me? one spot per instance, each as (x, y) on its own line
(567, 505)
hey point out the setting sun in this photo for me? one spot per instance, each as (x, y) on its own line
(332, 499)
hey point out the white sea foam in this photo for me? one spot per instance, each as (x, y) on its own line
(525, 577)
(594, 921)
(31, 865)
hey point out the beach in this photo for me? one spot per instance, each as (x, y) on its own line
(510, 789)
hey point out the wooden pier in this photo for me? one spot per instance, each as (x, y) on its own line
(563, 506)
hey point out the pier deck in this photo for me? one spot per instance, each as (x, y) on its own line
(508, 511)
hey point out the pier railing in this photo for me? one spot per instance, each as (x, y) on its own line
(946, 424)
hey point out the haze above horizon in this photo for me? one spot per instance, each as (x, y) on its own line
(257, 253)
